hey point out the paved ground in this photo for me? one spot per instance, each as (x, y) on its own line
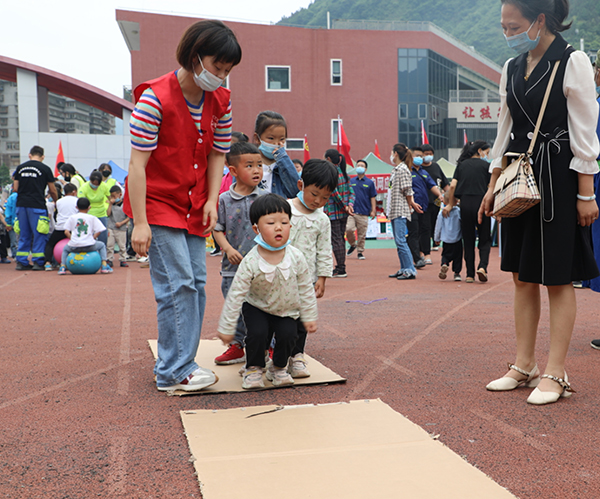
(80, 416)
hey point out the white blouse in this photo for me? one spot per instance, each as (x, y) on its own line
(580, 91)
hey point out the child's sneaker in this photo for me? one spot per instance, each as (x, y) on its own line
(457, 277)
(279, 377)
(297, 367)
(106, 269)
(62, 270)
(199, 379)
(360, 256)
(233, 355)
(123, 264)
(253, 378)
(48, 267)
(443, 271)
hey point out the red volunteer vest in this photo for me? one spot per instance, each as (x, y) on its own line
(176, 173)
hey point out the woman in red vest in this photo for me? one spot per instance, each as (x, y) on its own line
(181, 130)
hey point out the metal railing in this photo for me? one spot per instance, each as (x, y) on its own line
(474, 96)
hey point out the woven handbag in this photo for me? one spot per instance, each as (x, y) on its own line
(516, 190)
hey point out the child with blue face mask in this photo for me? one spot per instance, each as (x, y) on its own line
(279, 173)
(273, 289)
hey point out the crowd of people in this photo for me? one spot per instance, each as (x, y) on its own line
(279, 224)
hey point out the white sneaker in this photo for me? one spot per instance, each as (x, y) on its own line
(143, 259)
(297, 367)
(253, 378)
(199, 379)
(279, 377)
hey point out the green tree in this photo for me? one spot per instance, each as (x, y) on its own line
(5, 177)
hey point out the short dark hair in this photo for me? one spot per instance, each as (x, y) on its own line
(427, 148)
(69, 188)
(336, 158)
(208, 38)
(37, 151)
(95, 175)
(115, 188)
(267, 204)
(321, 173)
(296, 161)
(416, 148)
(239, 149)
(266, 119)
(556, 11)
(67, 167)
(362, 161)
(240, 136)
(83, 203)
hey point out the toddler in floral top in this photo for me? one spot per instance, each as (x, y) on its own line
(274, 290)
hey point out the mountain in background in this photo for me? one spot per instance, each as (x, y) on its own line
(475, 22)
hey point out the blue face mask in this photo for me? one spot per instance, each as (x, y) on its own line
(93, 186)
(417, 161)
(268, 149)
(360, 170)
(428, 159)
(521, 43)
(486, 158)
(598, 90)
(300, 196)
(261, 242)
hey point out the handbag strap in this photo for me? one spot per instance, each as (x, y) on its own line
(543, 109)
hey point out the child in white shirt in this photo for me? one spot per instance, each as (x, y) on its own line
(83, 230)
(273, 289)
(311, 234)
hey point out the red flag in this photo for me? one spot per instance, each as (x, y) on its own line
(465, 140)
(343, 146)
(377, 150)
(424, 139)
(306, 150)
(60, 158)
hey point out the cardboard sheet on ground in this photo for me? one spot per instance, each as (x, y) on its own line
(229, 379)
(356, 450)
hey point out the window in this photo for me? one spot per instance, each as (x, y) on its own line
(278, 79)
(12, 146)
(294, 144)
(403, 111)
(336, 71)
(3, 121)
(3, 109)
(335, 127)
(422, 111)
(4, 133)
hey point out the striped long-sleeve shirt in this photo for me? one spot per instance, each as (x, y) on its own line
(340, 198)
(147, 117)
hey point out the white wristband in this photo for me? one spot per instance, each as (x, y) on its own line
(586, 198)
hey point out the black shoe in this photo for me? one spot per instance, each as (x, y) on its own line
(351, 250)
(110, 263)
(595, 344)
(38, 267)
(420, 263)
(20, 266)
(360, 256)
(577, 284)
(339, 273)
(393, 276)
(406, 277)
(215, 252)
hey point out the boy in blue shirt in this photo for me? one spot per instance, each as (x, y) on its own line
(364, 207)
(234, 233)
(447, 229)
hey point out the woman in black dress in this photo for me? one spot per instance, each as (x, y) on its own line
(548, 244)
(470, 182)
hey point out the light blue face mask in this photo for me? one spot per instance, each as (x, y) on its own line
(261, 242)
(360, 170)
(598, 90)
(486, 158)
(268, 149)
(521, 43)
(418, 161)
(300, 196)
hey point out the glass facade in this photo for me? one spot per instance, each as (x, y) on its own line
(425, 80)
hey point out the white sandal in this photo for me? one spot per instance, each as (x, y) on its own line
(507, 383)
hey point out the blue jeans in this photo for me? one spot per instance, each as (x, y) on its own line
(178, 273)
(103, 236)
(97, 246)
(407, 266)
(240, 330)
(30, 240)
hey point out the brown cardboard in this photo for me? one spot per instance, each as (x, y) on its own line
(229, 379)
(361, 449)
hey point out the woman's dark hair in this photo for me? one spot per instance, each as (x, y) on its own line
(95, 175)
(337, 159)
(320, 173)
(471, 149)
(240, 136)
(105, 166)
(403, 153)
(556, 11)
(362, 161)
(267, 204)
(208, 38)
(59, 189)
(266, 119)
(296, 161)
(69, 168)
